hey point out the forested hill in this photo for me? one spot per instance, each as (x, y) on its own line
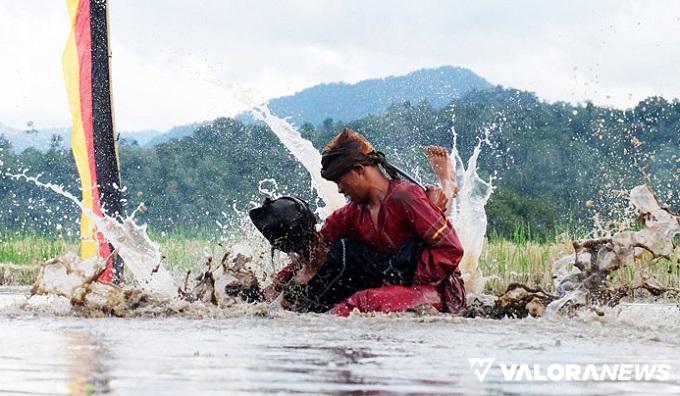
(341, 101)
(338, 101)
(41, 139)
(548, 161)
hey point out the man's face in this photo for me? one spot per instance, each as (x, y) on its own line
(352, 184)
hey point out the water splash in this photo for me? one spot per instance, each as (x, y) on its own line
(468, 215)
(141, 255)
(303, 150)
(467, 211)
(272, 191)
(594, 259)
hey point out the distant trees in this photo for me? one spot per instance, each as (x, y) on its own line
(547, 161)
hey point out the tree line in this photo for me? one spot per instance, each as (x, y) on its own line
(554, 165)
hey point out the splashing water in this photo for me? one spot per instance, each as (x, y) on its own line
(595, 259)
(303, 150)
(272, 191)
(467, 211)
(468, 216)
(141, 255)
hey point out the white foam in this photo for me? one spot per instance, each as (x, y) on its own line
(141, 256)
(468, 216)
(303, 150)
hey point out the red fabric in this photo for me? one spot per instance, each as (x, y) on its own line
(405, 212)
(390, 299)
(285, 274)
(83, 36)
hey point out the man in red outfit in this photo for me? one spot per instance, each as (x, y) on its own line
(386, 214)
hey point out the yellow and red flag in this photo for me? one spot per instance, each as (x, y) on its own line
(87, 76)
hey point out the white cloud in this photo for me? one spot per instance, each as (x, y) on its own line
(177, 61)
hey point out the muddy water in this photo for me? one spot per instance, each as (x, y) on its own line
(312, 354)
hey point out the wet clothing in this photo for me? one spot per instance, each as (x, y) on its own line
(352, 266)
(406, 213)
(391, 299)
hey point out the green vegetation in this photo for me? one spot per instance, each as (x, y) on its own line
(502, 261)
(553, 164)
(30, 249)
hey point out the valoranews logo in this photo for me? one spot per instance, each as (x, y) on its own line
(572, 371)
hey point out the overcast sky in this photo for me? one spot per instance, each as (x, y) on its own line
(176, 62)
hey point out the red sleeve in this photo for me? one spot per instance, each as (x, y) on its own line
(440, 259)
(338, 225)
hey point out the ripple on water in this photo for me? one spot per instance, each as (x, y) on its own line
(313, 354)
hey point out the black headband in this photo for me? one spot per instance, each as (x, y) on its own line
(344, 157)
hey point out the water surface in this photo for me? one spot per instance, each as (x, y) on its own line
(313, 354)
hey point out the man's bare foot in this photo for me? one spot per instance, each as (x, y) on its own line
(440, 161)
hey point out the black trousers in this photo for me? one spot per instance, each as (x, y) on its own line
(352, 266)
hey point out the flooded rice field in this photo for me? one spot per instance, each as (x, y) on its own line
(283, 352)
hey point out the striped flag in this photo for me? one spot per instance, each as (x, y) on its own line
(87, 77)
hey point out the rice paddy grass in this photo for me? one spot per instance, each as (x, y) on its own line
(502, 261)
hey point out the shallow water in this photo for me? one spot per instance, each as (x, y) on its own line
(312, 354)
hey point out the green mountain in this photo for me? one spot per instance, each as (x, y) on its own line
(334, 101)
(174, 133)
(555, 165)
(341, 101)
(42, 139)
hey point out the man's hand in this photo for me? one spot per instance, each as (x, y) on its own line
(305, 275)
(300, 271)
(437, 197)
(310, 269)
